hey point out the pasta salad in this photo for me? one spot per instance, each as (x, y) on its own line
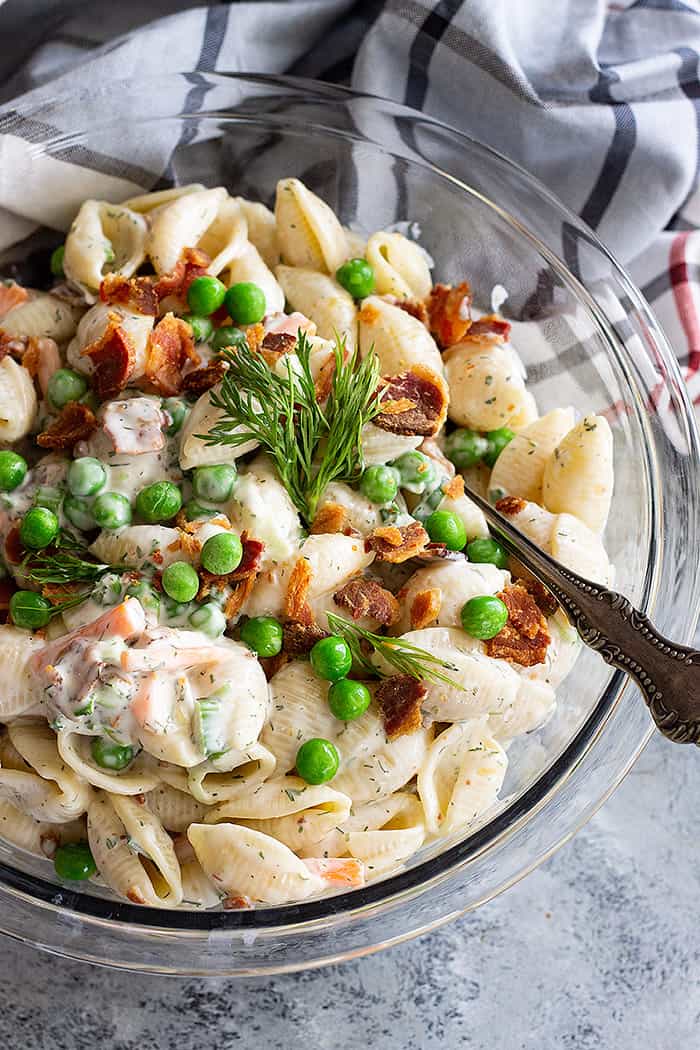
(259, 645)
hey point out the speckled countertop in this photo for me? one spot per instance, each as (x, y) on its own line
(596, 949)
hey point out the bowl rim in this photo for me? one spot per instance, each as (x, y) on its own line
(425, 874)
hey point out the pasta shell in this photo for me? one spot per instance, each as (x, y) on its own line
(308, 232)
(400, 266)
(18, 401)
(147, 836)
(261, 506)
(535, 703)
(226, 237)
(578, 475)
(233, 776)
(536, 522)
(384, 834)
(321, 298)
(52, 792)
(527, 413)
(181, 224)
(486, 384)
(176, 810)
(39, 837)
(140, 775)
(42, 316)
(580, 549)
(361, 514)
(519, 469)
(457, 582)
(249, 266)
(145, 203)
(196, 453)
(398, 339)
(380, 446)
(18, 694)
(104, 238)
(262, 230)
(197, 889)
(461, 777)
(135, 546)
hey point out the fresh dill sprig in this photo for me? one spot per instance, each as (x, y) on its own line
(404, 656)
(311, 445)
(65, 562)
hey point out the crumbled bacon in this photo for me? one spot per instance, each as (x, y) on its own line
(399, 698)
(203, 379)
(425, 608)
(362, 597)
(415, 307)
(192, 263)
(13, 345)
(491, 324)
(248, 566)
(138, 293)
(324, 380)
(525, 637)
(449, 313)
(396, 543)
(75, 423)
(11, 295)
(170, 347)
(279, 343)
(454, 488)
(241, 591)
(330, 518)
(296, 605)
(254, 336)
(14, 551)
(544, 599)
(237, 903)
(510, 505)
(113, 357)
(272, 664)
(300, 638)
(414, 402)
(439, 552)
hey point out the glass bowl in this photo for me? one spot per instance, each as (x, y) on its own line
(587, 338)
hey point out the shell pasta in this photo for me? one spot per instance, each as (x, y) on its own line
(258, 644)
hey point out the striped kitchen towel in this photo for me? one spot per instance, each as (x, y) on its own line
(600, 100)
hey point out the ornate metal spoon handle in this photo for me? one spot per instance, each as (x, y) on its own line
(667, 674)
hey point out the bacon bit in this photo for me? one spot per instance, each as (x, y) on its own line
(31, 357)
(324, 380)
(395, 543)
(525, 637)
(75, 423)
(449, 313)
(491, 324)
(544, 599)
(454, 488)
(192, 263)
(113, 356)
(254, 336)
(272, 664)
(57, 593)
(11, 295)
(187, 543)
(330, 518)
(300, 638)
(135, 896)
(369, 314)
(414, 402)
(252, 555)
(138, 293)
(14, 551)
(296, 607)
(511, 505)
(439, 551)
(362, 597)
(415, 307)
(425, 608)
(400, 698)
(237, 903)
(242, 590)
(203, 379)
(170, 347)
(279, 343)
(12, 344)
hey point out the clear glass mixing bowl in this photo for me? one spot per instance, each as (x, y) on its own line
(587, 338)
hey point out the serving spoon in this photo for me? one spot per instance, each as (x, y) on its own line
(667, 674)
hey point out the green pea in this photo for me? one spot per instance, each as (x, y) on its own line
(86, 476)
(111, 510)
(357, 277)
(380, 484)
(484, 616)
(227, 335)
(202, 327)
(465, 448)
(147, 596)
(74, 862)
(317, 761)
(416, 471)
(205, 295)
(13, 470)
(444, 526)
(497, 441)
(29, 610)
(331, 658)
(245, 303)
(56, 261)
(348, 700)
(263, 634)
(487, 551)
(180, 581)
(194, 510)
(109, 755)
(176, 410)
(39, 528)
(158, 502)
(214, 483)
(78, 512)
(209, 619)
(65, 385)
(222, 553)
